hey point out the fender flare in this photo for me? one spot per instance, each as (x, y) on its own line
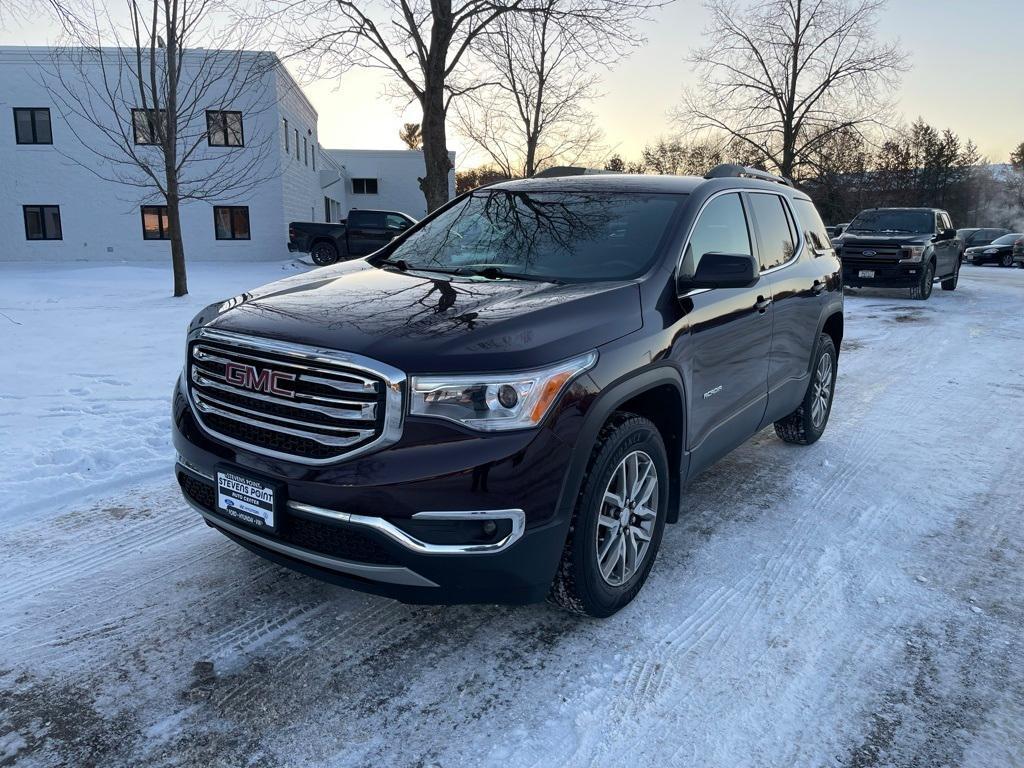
(597, 414)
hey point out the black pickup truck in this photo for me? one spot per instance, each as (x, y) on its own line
(506, 401)
(900, 248)
(363, 232)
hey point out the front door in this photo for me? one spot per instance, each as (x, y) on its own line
(726, 351)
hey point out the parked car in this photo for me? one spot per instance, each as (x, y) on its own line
(901, 248)
(1018, 252)
(977, 236)
(999, 251)
(506, 402)
(364, 232)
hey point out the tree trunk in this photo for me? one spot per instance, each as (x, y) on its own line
(435, 148)
(177, 244)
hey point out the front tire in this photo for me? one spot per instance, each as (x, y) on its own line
(807, 423)
(619, 519)
(924, 288)
(324, 254)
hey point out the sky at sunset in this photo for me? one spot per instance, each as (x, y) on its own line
(967, 74)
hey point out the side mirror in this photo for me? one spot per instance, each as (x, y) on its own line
(946, 234)
(721, 270)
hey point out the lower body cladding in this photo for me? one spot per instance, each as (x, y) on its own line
(395, 536)
(866, 274)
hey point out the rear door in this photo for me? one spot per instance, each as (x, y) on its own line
(366, 232)
(730, 330)
(947, 251)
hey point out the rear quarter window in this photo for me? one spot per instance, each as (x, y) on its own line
(811, 223)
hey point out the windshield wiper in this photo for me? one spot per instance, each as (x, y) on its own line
(495, 272)
(401, 264)
(405, 266)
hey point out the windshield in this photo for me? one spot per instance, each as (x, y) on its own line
(543, 235)
(1007, 239)
(916, 222)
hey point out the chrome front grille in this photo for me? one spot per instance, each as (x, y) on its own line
(879, 252)
(305, 404)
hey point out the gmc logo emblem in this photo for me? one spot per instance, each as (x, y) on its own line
(259, 381)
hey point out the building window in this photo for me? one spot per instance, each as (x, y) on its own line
(146, 124)
(224, 129)
(296, 143)
(312, 155)
(231, 222)
(154, 223)
(32, 125)
(285, 121)
(364, 186)
(305, 151)
(42, 222)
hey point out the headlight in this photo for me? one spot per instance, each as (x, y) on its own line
(913, 252)
(495, 402)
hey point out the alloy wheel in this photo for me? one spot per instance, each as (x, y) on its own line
(629, 511)
(822, 391)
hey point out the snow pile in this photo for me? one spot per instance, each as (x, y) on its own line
(91, 353)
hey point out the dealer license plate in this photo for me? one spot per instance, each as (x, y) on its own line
(246, 500)
(866, 273)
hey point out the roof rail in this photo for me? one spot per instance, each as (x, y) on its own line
(727, 170)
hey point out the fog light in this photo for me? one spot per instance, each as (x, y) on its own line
(490, 527)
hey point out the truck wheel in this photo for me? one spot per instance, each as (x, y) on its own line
(949, 284)
(924, 288)
(807, 423)
(1007, 260)
(324, 254)
(619, 518)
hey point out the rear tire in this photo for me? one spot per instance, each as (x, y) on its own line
(324, 254)
(924, 288)
(615, 529)
(1007, 260)
(949, 284)
(807, 423)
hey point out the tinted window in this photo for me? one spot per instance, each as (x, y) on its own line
(42, 222)
(558, 235)
(1007, 239)
(810, 222)
(944, 222)
(32, 126)
(393, 221)
(371, 219)
(721, 228)
(224, 129)
(775, 243)
(894, 221)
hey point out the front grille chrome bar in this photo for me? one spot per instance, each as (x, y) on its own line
(334, 429)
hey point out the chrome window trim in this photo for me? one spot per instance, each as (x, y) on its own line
(391, 574)
(394, 379)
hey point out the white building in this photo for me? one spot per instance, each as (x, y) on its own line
(52, 208)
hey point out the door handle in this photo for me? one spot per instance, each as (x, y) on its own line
(763, 304)
(818, 287)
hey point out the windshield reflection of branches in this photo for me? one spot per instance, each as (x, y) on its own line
(542, 234)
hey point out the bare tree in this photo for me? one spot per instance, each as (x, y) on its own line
(533, 114)
(423, 45)
(783, 76)
(411, 135)
(160, 115)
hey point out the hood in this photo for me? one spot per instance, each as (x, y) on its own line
(872, 238)
(425, 322)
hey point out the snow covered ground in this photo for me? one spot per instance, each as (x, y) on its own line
(857, 603)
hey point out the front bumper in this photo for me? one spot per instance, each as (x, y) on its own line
(366, 523)
(889, 274)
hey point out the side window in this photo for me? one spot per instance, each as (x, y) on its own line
(811, 224)
(775, 241)
(393, 221)
(721, 228)
(946, 223)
